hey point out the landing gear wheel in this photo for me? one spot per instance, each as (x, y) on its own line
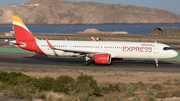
(86, 63)
(156, 62)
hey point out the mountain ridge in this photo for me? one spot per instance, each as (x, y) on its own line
(70, 12)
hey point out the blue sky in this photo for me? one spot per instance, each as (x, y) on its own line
(170, 5)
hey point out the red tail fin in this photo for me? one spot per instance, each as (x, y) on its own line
(21, 31)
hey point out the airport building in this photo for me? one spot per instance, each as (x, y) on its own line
(166, 30)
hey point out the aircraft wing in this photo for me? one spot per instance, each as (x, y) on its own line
(86, 52)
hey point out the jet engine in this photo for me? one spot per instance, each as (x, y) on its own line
(102, 59)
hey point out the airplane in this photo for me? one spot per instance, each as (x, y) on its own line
(98, 39)
(100, 52)
(93, 38)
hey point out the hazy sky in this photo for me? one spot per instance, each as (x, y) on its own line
(170, 5)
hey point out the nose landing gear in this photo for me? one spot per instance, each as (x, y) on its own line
(156, 62)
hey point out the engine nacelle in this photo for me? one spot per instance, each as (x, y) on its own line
(102, 59)
(117, 60)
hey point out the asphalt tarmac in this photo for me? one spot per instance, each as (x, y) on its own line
(38, 61)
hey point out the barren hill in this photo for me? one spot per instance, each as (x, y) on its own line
(68, 12)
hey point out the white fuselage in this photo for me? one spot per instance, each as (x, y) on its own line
(144, 50)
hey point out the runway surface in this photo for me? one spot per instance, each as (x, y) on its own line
(37, 61)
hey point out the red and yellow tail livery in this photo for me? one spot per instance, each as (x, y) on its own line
(24, 38)
(21, 31)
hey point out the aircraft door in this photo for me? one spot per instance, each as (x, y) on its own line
(70, 46)
(155, 51)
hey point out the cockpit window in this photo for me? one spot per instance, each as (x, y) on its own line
(166, 48)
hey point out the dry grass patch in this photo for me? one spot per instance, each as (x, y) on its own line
(52, 96)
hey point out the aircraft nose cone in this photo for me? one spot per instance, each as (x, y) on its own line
(175, 54)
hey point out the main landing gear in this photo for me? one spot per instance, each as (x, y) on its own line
(156, 62)
(86, 63)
